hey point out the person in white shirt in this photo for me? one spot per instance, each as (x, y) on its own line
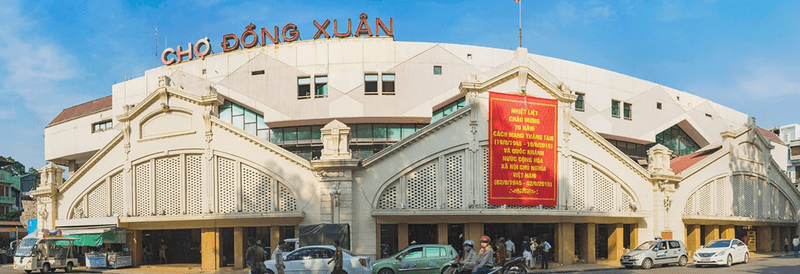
(796, 243)
(510, 248)
(278, 256)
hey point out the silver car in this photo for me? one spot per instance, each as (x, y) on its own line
(657, 252)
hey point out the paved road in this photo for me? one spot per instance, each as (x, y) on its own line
(756, 265)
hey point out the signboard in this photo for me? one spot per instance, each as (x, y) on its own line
(32, 224)
(522, 150)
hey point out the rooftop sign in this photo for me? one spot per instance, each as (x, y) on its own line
(289, 33)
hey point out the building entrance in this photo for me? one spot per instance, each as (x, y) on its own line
(517, 232)
(180, 246)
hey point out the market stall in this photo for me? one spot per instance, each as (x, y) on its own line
(107, 248)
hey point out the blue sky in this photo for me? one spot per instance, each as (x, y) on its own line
(741, 54)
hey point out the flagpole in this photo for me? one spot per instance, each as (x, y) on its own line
(520, 23)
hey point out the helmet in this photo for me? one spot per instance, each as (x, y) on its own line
(485, 239)
(469, 243)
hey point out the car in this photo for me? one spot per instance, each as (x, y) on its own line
(656, 252)
(722, 252)
(429, 258)
(314, 259)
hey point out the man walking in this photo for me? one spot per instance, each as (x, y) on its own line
(545, 254)
(337, 259)
(796, 244)
(278, 256)
(255, 254)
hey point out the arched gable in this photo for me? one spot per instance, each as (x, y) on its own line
(740, 195)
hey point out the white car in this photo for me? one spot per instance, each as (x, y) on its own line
(722, 252)
(314, 259)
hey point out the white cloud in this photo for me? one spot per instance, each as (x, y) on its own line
(33, 67)
(765, 82)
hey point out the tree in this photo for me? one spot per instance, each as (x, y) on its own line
(15, 169)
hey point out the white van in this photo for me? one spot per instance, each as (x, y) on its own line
(45, 253)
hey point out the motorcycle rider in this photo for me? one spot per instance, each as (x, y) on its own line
(469, 259)
(485, 256)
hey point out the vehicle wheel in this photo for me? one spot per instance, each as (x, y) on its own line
(746, 257)
(46, 268)
(647, 263)
(682, 261)
(730, 260)
(515, 270)
(68, 269)
(386, 271)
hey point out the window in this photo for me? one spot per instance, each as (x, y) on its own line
(579, 102)
(303, 87)
(677, 140)
(101, 126)
(321, 87)
(437, 70)
(371, 84)
(658, 105)
(449, 108)
(388, 84)
(615, 108)
(795, 151)
(414, 253)
(627, 110)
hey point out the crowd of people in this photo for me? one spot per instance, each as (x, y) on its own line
(486, 257)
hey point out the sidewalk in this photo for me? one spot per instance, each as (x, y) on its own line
(195, 268)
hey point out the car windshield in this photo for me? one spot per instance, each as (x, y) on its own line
(646, 245)
(25, 247)
(714, 244)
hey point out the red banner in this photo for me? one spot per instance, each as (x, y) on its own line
(522, 150)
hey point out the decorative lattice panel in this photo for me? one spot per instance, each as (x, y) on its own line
(454, 180)
(759, 210)
(749, 196)
(257, 189)
(117, 194)
(388, 199)
(421, 187)
(720, 196)
(625, 205)
(578, 185)
(286, 201)
(603, 191)
(168, 186)
(774, 196)
(689, 208)
(738, 196)
(194, 184)
(143, 192)
(785, 208)
(98, 201)
(226, 185)
(77, 211)
(704, 199)
(484, 191)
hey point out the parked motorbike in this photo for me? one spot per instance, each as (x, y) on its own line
(514, 265)
(454, 267)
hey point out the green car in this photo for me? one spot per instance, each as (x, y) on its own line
(417, 259)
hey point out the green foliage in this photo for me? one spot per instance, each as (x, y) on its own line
(11, 215)
(15, 169)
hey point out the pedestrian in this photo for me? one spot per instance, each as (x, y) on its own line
(744, 239)
(278, 256)
(147, 256)
(786, 244)
(484, 264)
(510, 248)
(501, 254)
(545, 254)
(337, 258)
(526, 251)
(255, 255)
(796, 245)
(162, 252)
(536, 249)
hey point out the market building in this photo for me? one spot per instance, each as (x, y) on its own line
(395, 140)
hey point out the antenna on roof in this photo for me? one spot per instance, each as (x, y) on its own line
(156, 36)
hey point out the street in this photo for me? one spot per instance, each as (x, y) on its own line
(756, 265)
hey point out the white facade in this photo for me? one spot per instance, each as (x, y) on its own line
(172, 162)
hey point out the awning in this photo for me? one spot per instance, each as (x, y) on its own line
(116, 236)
